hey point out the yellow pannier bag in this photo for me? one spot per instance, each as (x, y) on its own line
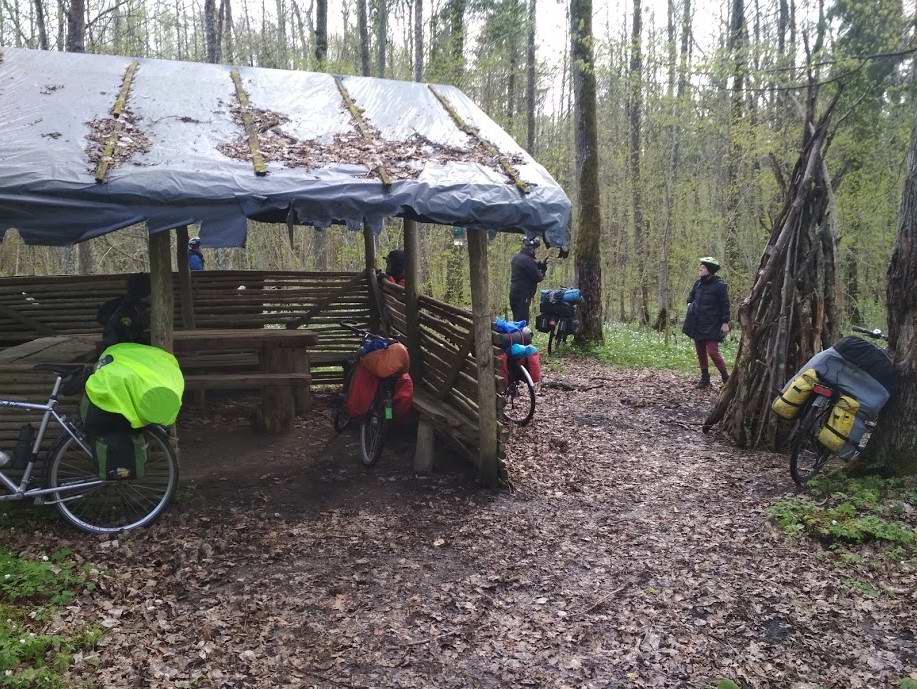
(840, 421)
(797, 393)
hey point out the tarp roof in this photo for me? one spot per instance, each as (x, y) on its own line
(182, 156)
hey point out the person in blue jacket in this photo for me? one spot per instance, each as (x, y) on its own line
(195, 257)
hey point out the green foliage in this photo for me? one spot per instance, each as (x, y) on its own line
(29, 589)
(726, 684)
(852, 511)
(907, 683)
(631, 346)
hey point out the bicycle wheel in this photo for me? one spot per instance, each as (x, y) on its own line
(520, 398)
(807, 456)
(373, 427)
(114, 506)
(552, 342)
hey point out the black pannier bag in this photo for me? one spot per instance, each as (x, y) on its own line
(868, 357)
(97, 421)
(120, 456)
(543, 323)
(558, 309)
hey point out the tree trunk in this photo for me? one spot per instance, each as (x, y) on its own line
(211, 37)
(381, 38)
(363, 30)
(457, 40)
(228, 29)
(418, 40)
(76, 26)
(853, 287)
(321, 33)
(895, 441)
(736, 47)
(283, 59)
(511, 85)
(791, 311)
(635, 107)
(530, 82)
(588, 254)
(42, 26)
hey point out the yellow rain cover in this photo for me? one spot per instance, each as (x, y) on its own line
(797, 393)
(142, 383)
(834, 433)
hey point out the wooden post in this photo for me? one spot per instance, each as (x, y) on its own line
(184, 277)
(163, 301)
(369, 247)
(482, 319)
(375, 294)
(411, 312)
(425, 450)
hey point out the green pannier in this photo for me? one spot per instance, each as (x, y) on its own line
(121, 456)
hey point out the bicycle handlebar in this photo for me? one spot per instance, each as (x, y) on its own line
(359, 332)
(875, 334)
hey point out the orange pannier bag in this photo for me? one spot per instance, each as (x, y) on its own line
(391, 361)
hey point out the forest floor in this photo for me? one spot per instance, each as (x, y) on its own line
(633, 551)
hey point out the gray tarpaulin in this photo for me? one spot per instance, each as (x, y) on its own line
(49, 194)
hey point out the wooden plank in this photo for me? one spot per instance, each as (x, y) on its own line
(229, 381)
(332, 296)
(457, 363)
(186, 297)
(39, 327)
(257, 159)
(411, 289)
(201, 339)
(162, 308)
(117, 110)
(488, 428)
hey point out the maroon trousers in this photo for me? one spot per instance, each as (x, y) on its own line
(709, 348)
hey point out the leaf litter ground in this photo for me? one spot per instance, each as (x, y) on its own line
(633, 552)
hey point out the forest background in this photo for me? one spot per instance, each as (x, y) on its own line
(691, 158)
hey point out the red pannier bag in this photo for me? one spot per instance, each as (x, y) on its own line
(391, 361)
(503, 368)
(403, 399)
(362, 392)
(533, 365)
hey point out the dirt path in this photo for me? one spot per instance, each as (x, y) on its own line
(633, 552)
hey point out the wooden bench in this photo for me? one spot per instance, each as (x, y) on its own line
(435, 416)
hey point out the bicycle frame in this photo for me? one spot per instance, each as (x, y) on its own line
(49, 411)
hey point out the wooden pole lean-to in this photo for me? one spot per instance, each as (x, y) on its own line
(184, 277)
(411, 311)
(162, 300)
(482, 324)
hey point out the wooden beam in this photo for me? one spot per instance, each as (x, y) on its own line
(184, 277)
(39, 327)
(473, 132)
(245, 106)
(163, 301)
(369, 247)
(411, 311)
(488, 465)
(456, 365)
(108, 152)
(363, 128)
(320, 304)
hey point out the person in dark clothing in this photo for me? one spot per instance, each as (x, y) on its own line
(126, 318)
(395, 266)
(707, 320)
(526, 273)
(195, 257)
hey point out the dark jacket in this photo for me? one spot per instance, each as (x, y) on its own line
(708, 309)
(525, 276)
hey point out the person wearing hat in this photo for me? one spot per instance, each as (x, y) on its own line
(707, 320)
(195, 257)
(525, 274)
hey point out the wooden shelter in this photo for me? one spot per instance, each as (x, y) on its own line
(91, 144)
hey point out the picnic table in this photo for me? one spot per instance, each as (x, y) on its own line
(277, 358)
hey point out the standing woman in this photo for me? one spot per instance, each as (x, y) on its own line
(707, 320)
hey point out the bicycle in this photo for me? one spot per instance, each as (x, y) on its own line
(808, 456)
(559, 320)
(519, 404)
(374, 424)
(72, 483)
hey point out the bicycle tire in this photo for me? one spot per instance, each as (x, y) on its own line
(526, 399)
(373, 429)
(807, 455)
(104, 509)
(552, 347)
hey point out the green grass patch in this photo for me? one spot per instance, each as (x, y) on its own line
(631, 346)
(29, 592)
(845, 512)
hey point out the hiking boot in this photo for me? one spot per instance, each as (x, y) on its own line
(704, 381)
(724, 374)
